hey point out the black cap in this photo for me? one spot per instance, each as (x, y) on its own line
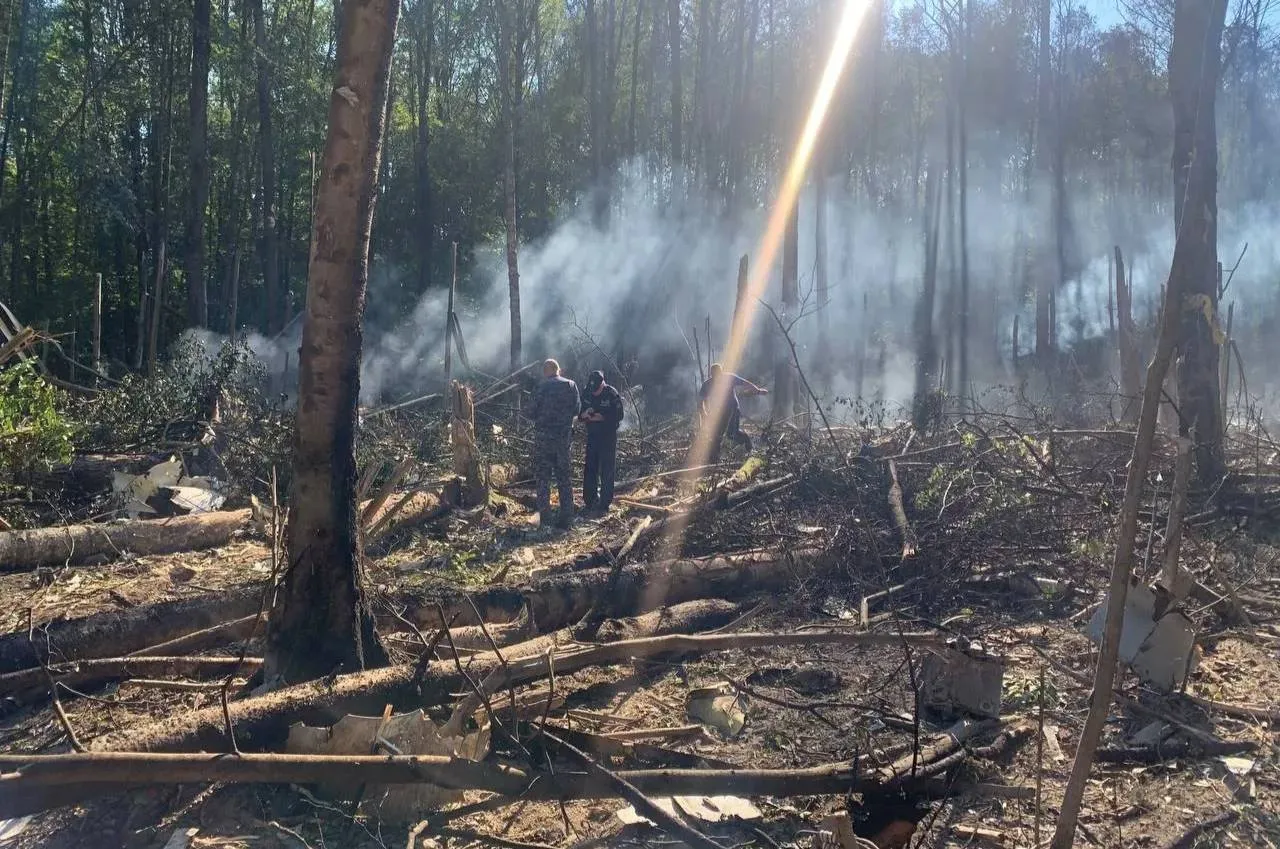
(595, 378)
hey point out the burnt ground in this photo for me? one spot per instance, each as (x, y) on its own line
(993, 503)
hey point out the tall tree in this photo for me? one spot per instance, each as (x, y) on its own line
(1195, 61)
(198, 160)
(510, 81)
(677, 85)
(1044, 280)
(321, 622)
(423, 30)
(270, 184)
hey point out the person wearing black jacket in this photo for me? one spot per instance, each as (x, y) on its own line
(602, 413)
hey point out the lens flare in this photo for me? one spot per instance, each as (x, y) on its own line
(851, 19)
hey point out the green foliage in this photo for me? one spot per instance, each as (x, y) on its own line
(144, 410)
(254, 430)
(33, 432)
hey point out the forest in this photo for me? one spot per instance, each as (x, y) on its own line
(293, 299)
(625, 151)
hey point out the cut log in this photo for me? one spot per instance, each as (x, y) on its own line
(75, 543)
(262, 722)
(118, 632)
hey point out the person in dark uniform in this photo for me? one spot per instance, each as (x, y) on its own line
(555, 404)
(602, 412)
(720, 391)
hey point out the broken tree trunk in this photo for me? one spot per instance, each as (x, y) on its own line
(908, 534)
(76, 543)
(1130, 368)
(119, 632)
(473, 484)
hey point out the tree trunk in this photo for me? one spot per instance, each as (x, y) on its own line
(468, 465)
(697, 122)
(198, 159)
(1126, 334)
(507, 81)
(924, 404)
(965, 17)
(820, 267)
(1043, 279)
(635, 73)
(157, 305)
(786, 396)
(1194, 66)
(595, 111)
(677, 87)
(121, 632)
(267, 160)
(321, 622)
(76, 543)
(424, 37)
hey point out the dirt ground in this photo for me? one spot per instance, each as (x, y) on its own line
(982, 515)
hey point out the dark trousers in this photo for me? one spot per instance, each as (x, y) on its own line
(599, 469)
(729, 425)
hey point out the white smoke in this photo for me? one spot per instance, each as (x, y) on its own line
(639, 284)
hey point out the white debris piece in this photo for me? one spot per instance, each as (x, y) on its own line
(405, 734)
(1161, 651)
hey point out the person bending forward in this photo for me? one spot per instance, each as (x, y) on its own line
(555, 404)
(718, 400)
(602, 412)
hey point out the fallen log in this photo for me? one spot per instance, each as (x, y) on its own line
(261, 722)
(545, 605)
(118, 632)
(76, 543)
(28, 685)
(315, 704)
(33, 783)
(415, 507)
(564, 598)
(524, 641)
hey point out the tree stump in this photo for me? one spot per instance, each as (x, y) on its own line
(473, 483)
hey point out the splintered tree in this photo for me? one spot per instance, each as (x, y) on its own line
(321, 621)
(1194, 65)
